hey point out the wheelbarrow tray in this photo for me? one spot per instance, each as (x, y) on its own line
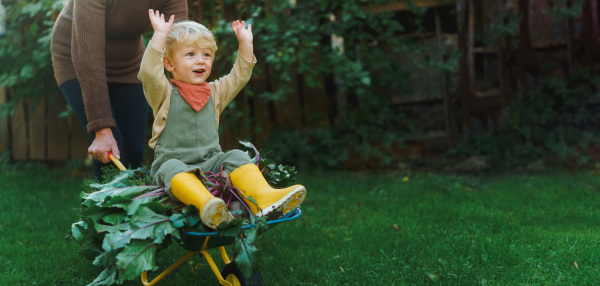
(194, 241)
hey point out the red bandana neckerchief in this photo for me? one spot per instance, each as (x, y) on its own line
(195, 95)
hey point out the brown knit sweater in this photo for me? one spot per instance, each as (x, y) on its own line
(100, 41)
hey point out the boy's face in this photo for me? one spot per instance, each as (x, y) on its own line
(189, 63)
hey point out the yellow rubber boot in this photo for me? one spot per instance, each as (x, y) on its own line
(187, 188)
(274, 203)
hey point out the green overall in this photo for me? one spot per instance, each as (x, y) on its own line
(190, 143)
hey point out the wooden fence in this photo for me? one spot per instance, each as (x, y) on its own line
(37, 132)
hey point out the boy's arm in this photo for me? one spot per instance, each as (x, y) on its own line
(161, 28)
(230, 85)
(245, 39)
(156, 86)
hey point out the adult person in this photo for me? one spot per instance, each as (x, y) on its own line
(97, 47)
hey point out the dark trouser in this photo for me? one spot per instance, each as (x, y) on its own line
(130, 111)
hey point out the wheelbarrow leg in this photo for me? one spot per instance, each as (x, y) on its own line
(224, 255)
(167, 271)
(204, 252)
(212, 264)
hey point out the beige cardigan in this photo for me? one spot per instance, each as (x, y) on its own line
(157, 87)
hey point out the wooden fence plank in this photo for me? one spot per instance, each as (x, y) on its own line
(262, 114)
(37, 130)
(403, 5)
(57, 130)
(289, 113)
(4, 135)
(78, 140)
(196, 9)
(226, 137)
(19, 130)
(316, 106)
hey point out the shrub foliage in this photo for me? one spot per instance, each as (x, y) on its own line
(342, 51)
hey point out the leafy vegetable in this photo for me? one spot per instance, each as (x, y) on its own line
(277, 175)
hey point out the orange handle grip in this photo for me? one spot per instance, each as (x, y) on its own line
(116, 161)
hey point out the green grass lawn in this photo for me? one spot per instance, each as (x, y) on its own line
(356, 229)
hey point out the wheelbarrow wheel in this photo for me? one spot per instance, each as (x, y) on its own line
(232, 274)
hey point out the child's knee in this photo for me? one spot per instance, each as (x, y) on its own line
(239, 154)
(235, 159)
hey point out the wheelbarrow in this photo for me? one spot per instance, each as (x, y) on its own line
(201, 242)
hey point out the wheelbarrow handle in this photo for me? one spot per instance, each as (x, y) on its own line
(116, 161)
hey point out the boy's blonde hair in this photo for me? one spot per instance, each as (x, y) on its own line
(190, 32)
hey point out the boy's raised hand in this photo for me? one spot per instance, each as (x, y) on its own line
(161, 28)
(243, 34)
(158, 22)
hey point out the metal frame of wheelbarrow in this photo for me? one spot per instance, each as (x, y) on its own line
(200, 242)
